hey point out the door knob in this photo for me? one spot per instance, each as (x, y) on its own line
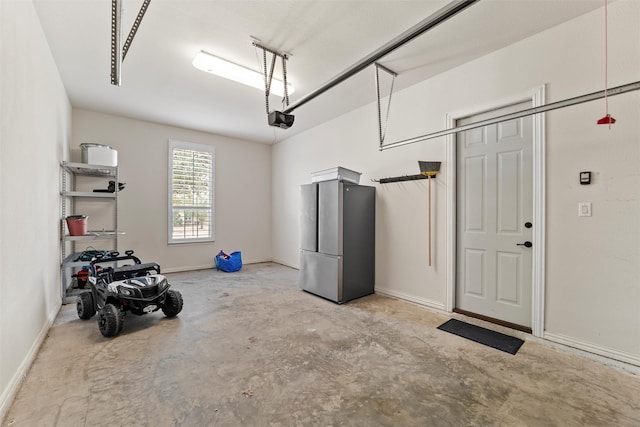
(526, 244)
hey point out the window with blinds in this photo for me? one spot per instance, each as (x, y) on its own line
(191, 189)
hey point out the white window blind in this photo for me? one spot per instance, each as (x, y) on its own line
(191, 191)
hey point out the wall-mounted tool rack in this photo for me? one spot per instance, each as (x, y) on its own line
(401, 178)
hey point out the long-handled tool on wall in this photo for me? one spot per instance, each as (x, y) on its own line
(429, 169)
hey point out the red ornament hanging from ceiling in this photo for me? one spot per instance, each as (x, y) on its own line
(607, 119)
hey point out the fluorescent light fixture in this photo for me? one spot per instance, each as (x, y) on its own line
(220, 67)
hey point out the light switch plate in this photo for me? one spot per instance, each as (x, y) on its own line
(584, 208)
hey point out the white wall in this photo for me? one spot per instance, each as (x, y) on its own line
(242, 193)
(593, 264)
(35, 126)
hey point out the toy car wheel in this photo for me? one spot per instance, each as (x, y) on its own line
(110, 320)
(172, 303)
(84, 306)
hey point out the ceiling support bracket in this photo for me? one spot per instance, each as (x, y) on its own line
(118, 50)
(283, 55)
(275, 118)
(268, 72)
(382, 130)
(116, 41)
(134, 28)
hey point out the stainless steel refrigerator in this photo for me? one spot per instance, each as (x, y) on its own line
(337, 249)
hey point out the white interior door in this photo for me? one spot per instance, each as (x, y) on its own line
(494, 219)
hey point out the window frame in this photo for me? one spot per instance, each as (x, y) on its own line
(173, 144)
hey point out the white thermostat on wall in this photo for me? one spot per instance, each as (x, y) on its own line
(585, 178)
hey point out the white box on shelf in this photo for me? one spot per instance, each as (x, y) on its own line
(98, 154)
(339, 173)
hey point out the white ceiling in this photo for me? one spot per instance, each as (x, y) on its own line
(324, 37)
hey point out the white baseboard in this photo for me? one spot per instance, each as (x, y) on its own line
(420, 301)
(257, 261)
(9, 393)
(188, 268)
(632, 359)
(210, 266)
(627, 361)
(286, 264)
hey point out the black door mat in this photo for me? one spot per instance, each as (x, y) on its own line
(484, 336)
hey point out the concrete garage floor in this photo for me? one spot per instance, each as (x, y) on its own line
(250, 348)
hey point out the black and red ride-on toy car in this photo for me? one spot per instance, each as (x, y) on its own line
(133, 287)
